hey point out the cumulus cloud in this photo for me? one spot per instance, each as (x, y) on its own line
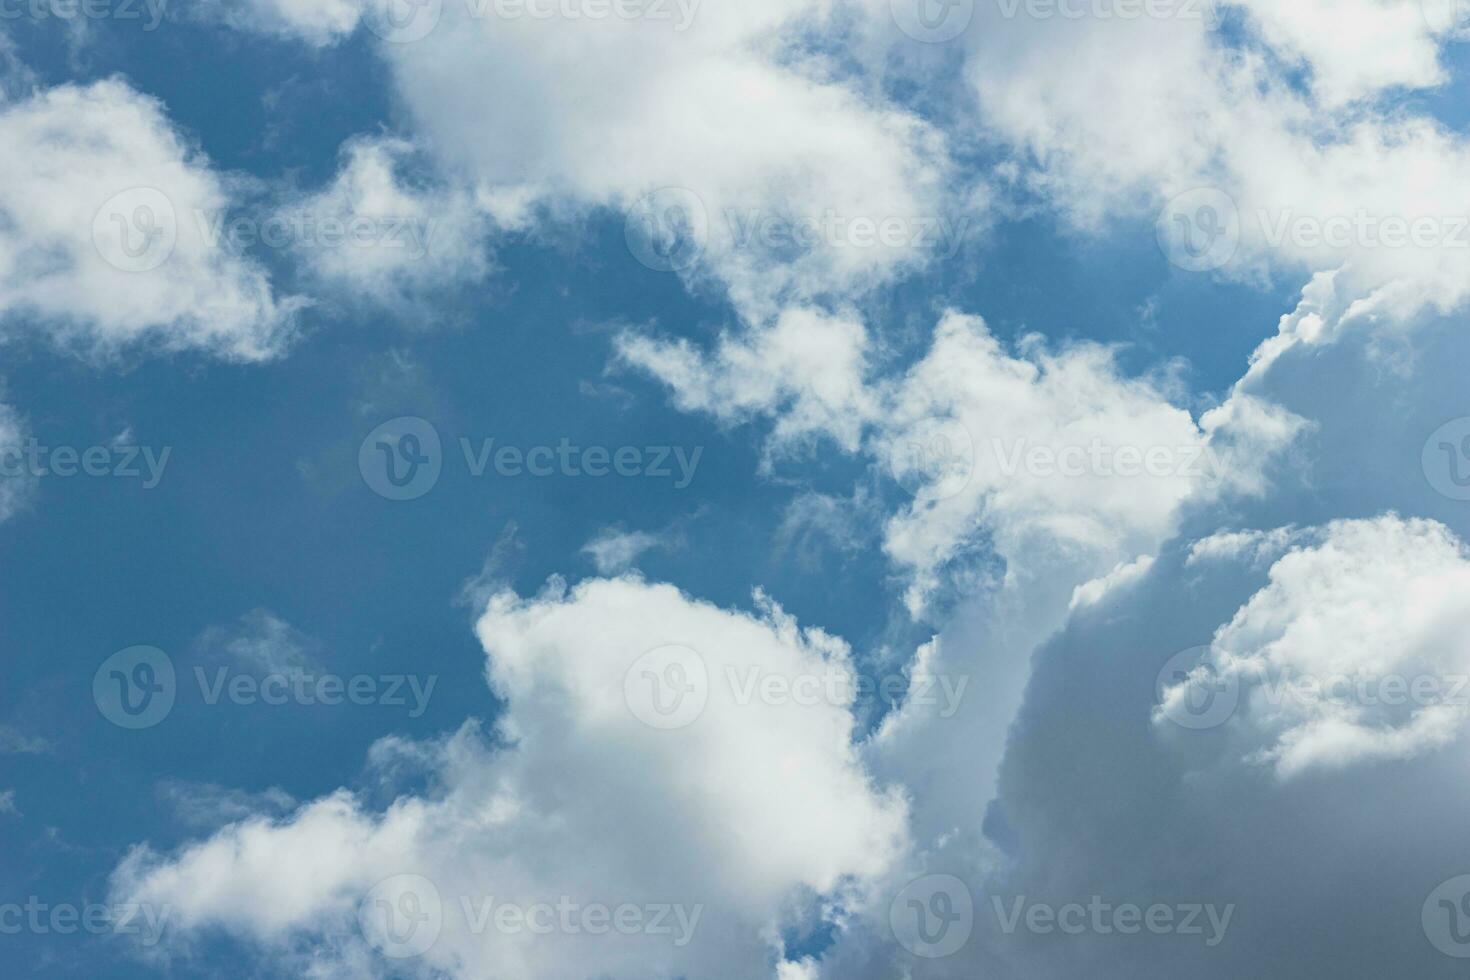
(808, 369)
(402, 238)
(1266, 148)
(1022, 453)
(103, 243)
(1321, 652)
(810, 185)
(583, 796)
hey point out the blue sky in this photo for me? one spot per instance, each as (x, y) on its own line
(781, 407)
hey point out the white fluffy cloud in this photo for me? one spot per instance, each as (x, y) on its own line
(103, 242)
(318, 22)
(807, 368)
(1321, 653)
(1033, 454)
(1353, 49)
(402, 239)
(1291, 121)
(1057, 452)
(579, 799)
(794, 182)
